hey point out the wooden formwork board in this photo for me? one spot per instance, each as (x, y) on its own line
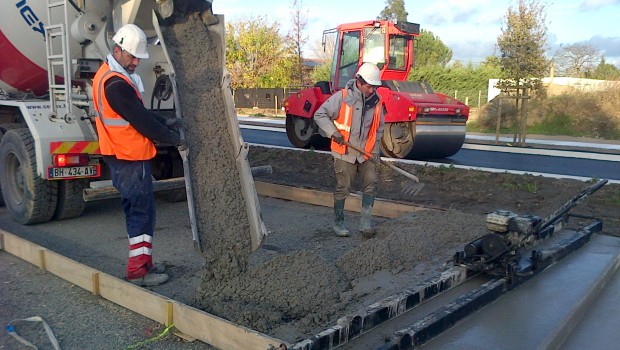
(186, 319)
(382, 207)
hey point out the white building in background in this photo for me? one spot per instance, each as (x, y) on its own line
(559, 85)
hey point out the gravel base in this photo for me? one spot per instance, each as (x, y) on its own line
(78, 319)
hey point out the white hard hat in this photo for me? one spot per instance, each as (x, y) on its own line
(132, 39)
(370, 73)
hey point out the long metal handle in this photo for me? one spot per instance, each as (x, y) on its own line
(394, 167)
(401, 171)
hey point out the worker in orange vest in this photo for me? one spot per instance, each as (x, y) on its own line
(126, 131)
(355, 115)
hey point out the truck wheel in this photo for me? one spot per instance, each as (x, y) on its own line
(3, 129)
(70, 204)
(173, 168)
(29, 198)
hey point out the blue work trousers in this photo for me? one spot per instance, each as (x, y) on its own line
(134, 182)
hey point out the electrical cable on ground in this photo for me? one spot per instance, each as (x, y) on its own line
(150, 340)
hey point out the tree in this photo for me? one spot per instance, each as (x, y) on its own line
(522, 59)
(521, 44)
(297, 36)
(577, 60)
(431, 50)
(606, 71)
(321, 72)
(394, 11)
(492, 61)
(257, 55)
(324, 52)
(323, 49)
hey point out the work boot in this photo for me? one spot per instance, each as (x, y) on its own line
(365, 223)
(157, 268)
(339, 228)
(150, 279)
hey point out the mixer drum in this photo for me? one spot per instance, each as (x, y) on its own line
(23, 57)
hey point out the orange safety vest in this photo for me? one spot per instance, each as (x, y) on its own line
(117, 137)
(343, 124)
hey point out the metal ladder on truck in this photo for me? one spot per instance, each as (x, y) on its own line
(58, 58)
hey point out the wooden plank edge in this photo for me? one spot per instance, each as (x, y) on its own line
(195, 323)
(382, 207)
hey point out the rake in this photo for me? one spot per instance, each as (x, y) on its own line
(411, 187)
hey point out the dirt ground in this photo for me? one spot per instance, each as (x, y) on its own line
(447, 187)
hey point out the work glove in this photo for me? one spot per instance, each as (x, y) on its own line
(174, 123)
(338, 138)
(376, 158)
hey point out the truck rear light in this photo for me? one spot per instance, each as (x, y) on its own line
(70, 159)
(411, 110)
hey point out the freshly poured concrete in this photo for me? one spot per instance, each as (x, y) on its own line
(540, 313)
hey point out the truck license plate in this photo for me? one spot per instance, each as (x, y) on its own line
(74, 172)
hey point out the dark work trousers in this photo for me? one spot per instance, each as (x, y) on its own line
(133, 181)
(346, 172)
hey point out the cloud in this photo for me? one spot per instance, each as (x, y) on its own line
(610, 47)
(472, 51)
(591, 5)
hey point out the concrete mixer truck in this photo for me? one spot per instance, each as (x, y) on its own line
(49, 52)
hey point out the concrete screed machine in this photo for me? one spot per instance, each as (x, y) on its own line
(50, 51)
(419, 124)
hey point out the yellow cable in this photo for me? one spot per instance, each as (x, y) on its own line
(155, 338)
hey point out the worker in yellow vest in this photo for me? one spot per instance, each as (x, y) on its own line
(355, 115)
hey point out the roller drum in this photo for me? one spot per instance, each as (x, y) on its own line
(423, 139)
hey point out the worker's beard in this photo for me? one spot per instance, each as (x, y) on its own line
(130, 68)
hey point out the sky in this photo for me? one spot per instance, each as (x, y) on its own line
(469, 27)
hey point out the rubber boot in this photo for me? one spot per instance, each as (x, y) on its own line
(157, 268)
(365, 223)
(150, 279)
(339, 228)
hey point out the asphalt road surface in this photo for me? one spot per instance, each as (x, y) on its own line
(551, 162)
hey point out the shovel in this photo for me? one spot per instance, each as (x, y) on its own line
(411, 187)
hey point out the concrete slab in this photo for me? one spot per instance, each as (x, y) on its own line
(538, 313)
(598, 329)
